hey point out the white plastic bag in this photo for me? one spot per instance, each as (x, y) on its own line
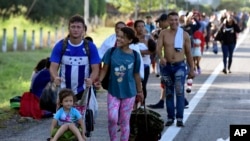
(93, 104)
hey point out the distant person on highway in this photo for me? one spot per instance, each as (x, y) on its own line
(229, 31)
(149, 25)
(163, 24)
(146, 50)
(176, 45)
(110, 41)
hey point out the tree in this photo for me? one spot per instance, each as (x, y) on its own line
(49, 10)
(101, 10)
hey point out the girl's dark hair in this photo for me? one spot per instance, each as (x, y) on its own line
(89, 39)
(64, 93)
(151, 45)
(47, 62)
(130, 34)
(40, 65)
(138, 21)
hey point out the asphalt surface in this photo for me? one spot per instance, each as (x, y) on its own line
(217, 101)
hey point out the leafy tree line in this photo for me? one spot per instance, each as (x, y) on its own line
(53, 11)
(128, 6)
(50, 11)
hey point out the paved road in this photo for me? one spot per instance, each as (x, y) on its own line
(217, 101)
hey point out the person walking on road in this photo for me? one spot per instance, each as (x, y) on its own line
(176, 45)
(124, 84)
(163, 24)
(74, 62)
(146, 51)
(111, 40)
(229, 31)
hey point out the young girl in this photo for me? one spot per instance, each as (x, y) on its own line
(67, 117)
(124, 83)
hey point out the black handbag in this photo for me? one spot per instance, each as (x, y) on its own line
(89, 115)
(89, 122)
(105, 81)
(48, 98)
(218, 36)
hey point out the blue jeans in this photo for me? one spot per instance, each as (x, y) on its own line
(174, 76)
(227, 51)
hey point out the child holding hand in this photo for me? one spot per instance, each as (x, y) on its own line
(67, 117)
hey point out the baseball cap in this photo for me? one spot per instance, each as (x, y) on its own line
(163, 17)
(130, 23)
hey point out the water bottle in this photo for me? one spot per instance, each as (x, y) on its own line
(189, 85)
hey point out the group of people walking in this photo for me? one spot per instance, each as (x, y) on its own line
(176, 46)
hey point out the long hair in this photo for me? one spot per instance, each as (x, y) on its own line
(40, 65)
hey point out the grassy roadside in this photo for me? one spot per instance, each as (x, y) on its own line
(15, 74)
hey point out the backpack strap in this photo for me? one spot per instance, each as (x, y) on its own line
(64, 46)
(112, 50)
(86, 46)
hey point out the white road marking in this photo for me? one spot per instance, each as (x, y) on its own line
(221, 139)
(172, 131)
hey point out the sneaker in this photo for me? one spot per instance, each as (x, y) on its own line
(224, 71)
(199, 71)
(179, 123)
(88, 134)
(229, 71)
(195, 72)
(169, 122)
(159, 105)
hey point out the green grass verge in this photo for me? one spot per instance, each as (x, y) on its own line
(15, 72)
